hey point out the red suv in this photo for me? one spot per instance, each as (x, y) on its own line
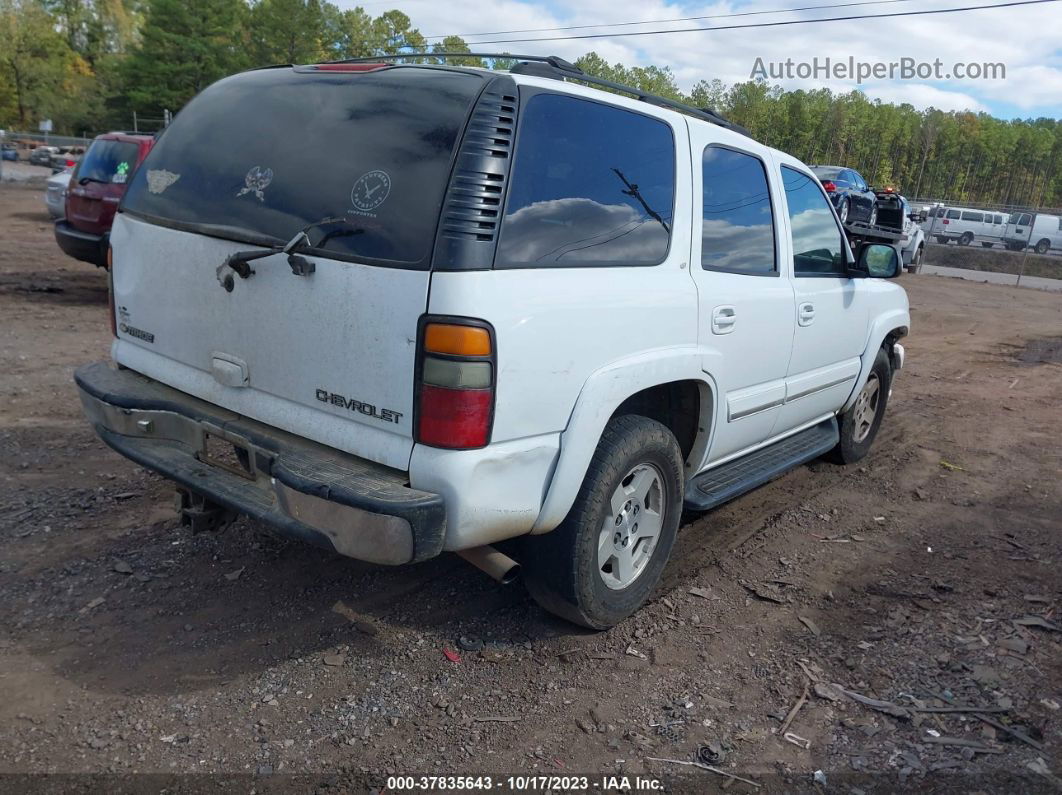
(96, 187)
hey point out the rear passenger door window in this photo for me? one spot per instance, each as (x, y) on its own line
(737, 227)
(592, 185)
(818, 249)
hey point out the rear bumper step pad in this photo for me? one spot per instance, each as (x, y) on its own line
(356, 507)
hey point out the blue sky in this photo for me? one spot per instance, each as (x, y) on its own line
(1026, 39)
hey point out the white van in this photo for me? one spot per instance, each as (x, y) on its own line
(964, 225)
(1042, 232)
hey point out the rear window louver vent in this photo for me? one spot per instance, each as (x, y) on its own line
(471, 214)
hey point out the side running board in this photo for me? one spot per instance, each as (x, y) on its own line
(733, 479)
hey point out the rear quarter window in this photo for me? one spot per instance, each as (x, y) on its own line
(592, 185)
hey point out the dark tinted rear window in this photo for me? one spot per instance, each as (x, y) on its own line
(108, 161)
(592, 184)
(259, 156)
(826, 172)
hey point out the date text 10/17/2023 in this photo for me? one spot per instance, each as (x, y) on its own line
(524, 783)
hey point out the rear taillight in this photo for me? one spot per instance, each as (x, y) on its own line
(455, 383)
(945, 222)
(828, 186)
(110, 292)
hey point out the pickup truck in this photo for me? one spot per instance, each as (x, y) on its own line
(517, 309)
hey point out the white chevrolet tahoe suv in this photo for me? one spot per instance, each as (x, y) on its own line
(398, 310)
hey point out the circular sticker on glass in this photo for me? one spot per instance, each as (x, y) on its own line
(370, 191)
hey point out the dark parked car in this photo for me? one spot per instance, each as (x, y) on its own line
(9, 152)
(96, 187)
(849, 192)
(42, 155)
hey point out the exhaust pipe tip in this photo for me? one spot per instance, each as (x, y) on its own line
(510, 576)
(497, 565)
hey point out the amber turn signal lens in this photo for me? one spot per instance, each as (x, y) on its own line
(110, 257)
(456, 340)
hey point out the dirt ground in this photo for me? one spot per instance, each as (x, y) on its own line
(925, 579)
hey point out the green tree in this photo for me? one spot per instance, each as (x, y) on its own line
(295, 31)
(392, 33)
(457, 44)
(185, 46)
(360, 35)
(96, 28)
(650, 79)
(34, 61)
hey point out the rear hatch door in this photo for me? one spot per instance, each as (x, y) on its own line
(360, 161)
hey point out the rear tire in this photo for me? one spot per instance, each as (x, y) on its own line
(1043, 246)
(986, 245)
(942, 240)
(600, 565)
(860, 423)
(843, 210)
(966, 239)
(872, 219)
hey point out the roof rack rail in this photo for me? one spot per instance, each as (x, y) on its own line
(557, 68)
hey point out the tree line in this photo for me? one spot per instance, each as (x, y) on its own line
(90, 64)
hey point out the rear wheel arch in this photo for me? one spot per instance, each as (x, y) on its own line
(683, 407)
(668, 400)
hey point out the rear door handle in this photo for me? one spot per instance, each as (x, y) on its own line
(806, 314)
(723, 319)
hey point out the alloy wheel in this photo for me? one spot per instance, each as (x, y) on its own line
(866, 408)
(629, 533)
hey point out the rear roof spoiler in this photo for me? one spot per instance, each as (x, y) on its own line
(551, 66)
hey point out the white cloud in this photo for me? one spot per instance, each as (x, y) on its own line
(1025, 39)
(923, 96)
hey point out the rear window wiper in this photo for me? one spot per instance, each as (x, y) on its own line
(300, 266)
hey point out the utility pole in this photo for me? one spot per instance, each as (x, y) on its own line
(1025, 255)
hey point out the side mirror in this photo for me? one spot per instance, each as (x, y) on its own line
(879, 261)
